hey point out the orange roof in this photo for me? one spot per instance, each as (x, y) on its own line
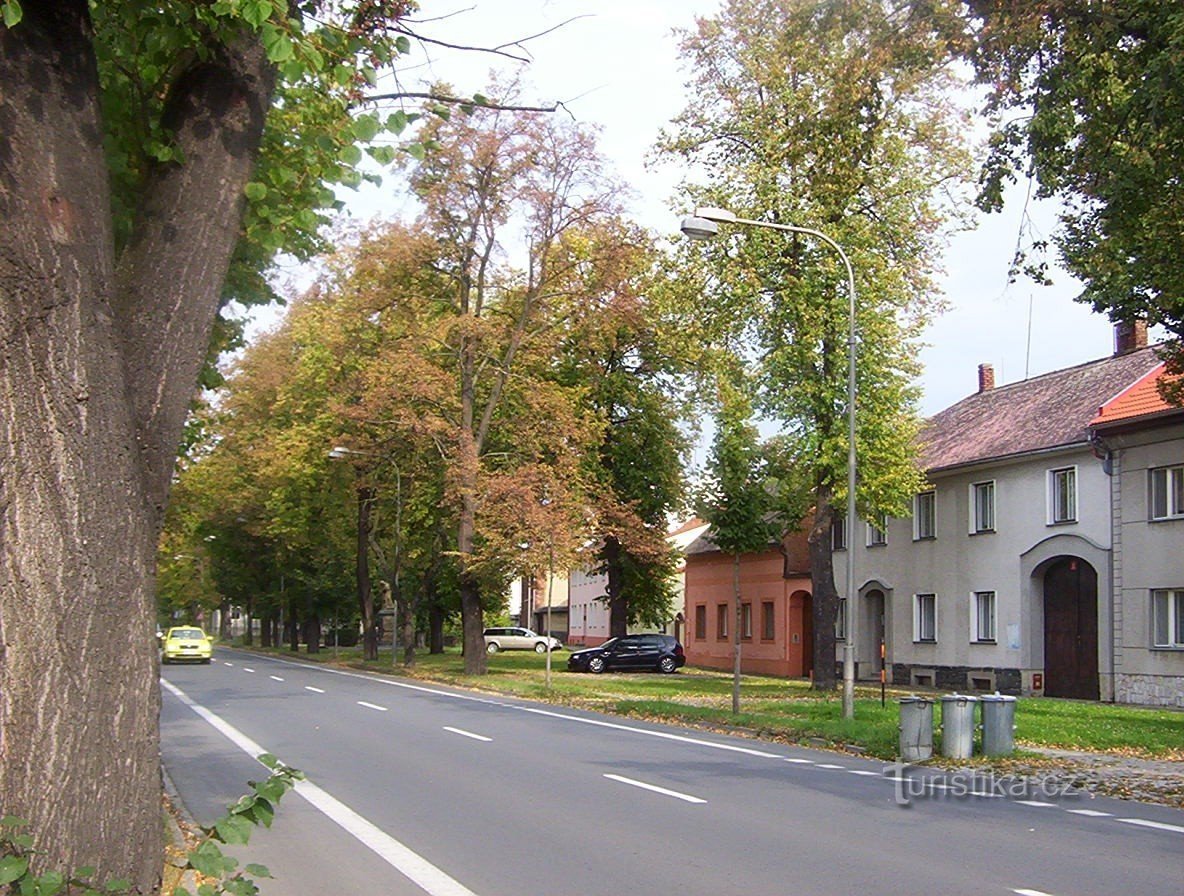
(1139, 399)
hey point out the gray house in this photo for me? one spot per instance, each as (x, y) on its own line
(1141, 438)
(1001, 578)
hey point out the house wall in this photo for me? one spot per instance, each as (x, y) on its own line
(1148, 555)
(1010, 561)
(709, 584)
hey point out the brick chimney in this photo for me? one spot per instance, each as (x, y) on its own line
(1129, 336)
(986, 377)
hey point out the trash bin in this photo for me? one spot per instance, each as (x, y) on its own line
(916, 729)
(998, 724)
(957, 726)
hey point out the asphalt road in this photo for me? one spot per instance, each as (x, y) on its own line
(417, 788)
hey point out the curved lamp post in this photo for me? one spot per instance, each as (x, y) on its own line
(704, 225)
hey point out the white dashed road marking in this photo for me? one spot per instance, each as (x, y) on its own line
(463, 733)
(687, 798)
(275, 678)
(309, 687)
(1090, 813)
(1158, 825)
(372, 706)
(1037, 803)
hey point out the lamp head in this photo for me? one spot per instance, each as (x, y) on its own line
(698, 229)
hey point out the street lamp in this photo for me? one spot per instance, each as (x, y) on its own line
(704, 225)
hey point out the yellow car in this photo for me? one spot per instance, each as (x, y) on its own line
(186, 642)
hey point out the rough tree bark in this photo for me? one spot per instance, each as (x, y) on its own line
(826, 597)
(98, 362)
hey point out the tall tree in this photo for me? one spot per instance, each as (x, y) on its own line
(737, 498)
(1085, 96)
(501, 196)
(834, 116)
(129, 134)
(615, 348)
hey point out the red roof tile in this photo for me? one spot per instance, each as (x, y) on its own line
(1139, 399)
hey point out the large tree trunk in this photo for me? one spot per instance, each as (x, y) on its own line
(97, 367)
(618, 601)
(826, 597)
(365, 592)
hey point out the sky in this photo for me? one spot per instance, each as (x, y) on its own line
(614, 64)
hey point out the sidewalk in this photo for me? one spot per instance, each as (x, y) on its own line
(1126, 777)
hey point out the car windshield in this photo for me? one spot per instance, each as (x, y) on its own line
(610, 642)
(187, 634)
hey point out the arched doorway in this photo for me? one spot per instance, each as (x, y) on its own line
(873, 632)
(800, 634)
(1071, 629)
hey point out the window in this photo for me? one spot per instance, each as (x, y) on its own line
(841, 620)
(1062, 495)
(924, 515)
(746, 621)
(768, 621)
(925, 617)
(721, 622)
(1167, 493)
(982, 617)
(877, 532)
(1167, 618)
(838, 534)
(701, 622)
(982, 507)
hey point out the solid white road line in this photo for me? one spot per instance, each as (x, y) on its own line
(463, 733)
(309, 687)
(411, 865)
(687, 798)
(1158, 825)
(372, 706)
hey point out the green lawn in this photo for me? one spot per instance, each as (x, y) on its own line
(782, 709)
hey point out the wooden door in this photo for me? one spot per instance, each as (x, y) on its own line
(1071, 630)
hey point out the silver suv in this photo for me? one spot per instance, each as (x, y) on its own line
(518, 639)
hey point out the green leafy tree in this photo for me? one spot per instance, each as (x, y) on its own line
(737, 498)
(1085, 96)
(615, 348)
(834, 116)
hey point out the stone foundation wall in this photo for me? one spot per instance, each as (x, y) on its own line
(1149, 690)
(958, 678)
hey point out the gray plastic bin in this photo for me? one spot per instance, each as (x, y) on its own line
(916, 729)
(957, 726)
(998, 724)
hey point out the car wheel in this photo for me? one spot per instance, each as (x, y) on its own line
(540, 647)
(666, 664)
(596, 665)
(492, 647)
(164, 660)
(206, 661)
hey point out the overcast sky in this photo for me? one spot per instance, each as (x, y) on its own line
(614, 64)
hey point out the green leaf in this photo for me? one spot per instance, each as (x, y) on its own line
(12, 868)
(256, 12)
(181, 891)
(207, 859)
(366, 127)
(403, 44)
(12, 12)
(255, 190)
(277, 44)
(234, 829)
(119, 885)
(350, 154)
(257, 870)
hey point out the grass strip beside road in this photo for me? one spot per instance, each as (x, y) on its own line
(779, 709)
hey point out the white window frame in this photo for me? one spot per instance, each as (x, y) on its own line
(1171, 492)
(923, 514)
(838, 533)
(980, 523)
(841, 620)
(1057, 495)
(920, 632)
(983, 631)
(877, 533)
(1167, 618)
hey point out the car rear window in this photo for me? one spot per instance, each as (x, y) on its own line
(187, 634)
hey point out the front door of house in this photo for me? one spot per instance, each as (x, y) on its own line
(1071, 630)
